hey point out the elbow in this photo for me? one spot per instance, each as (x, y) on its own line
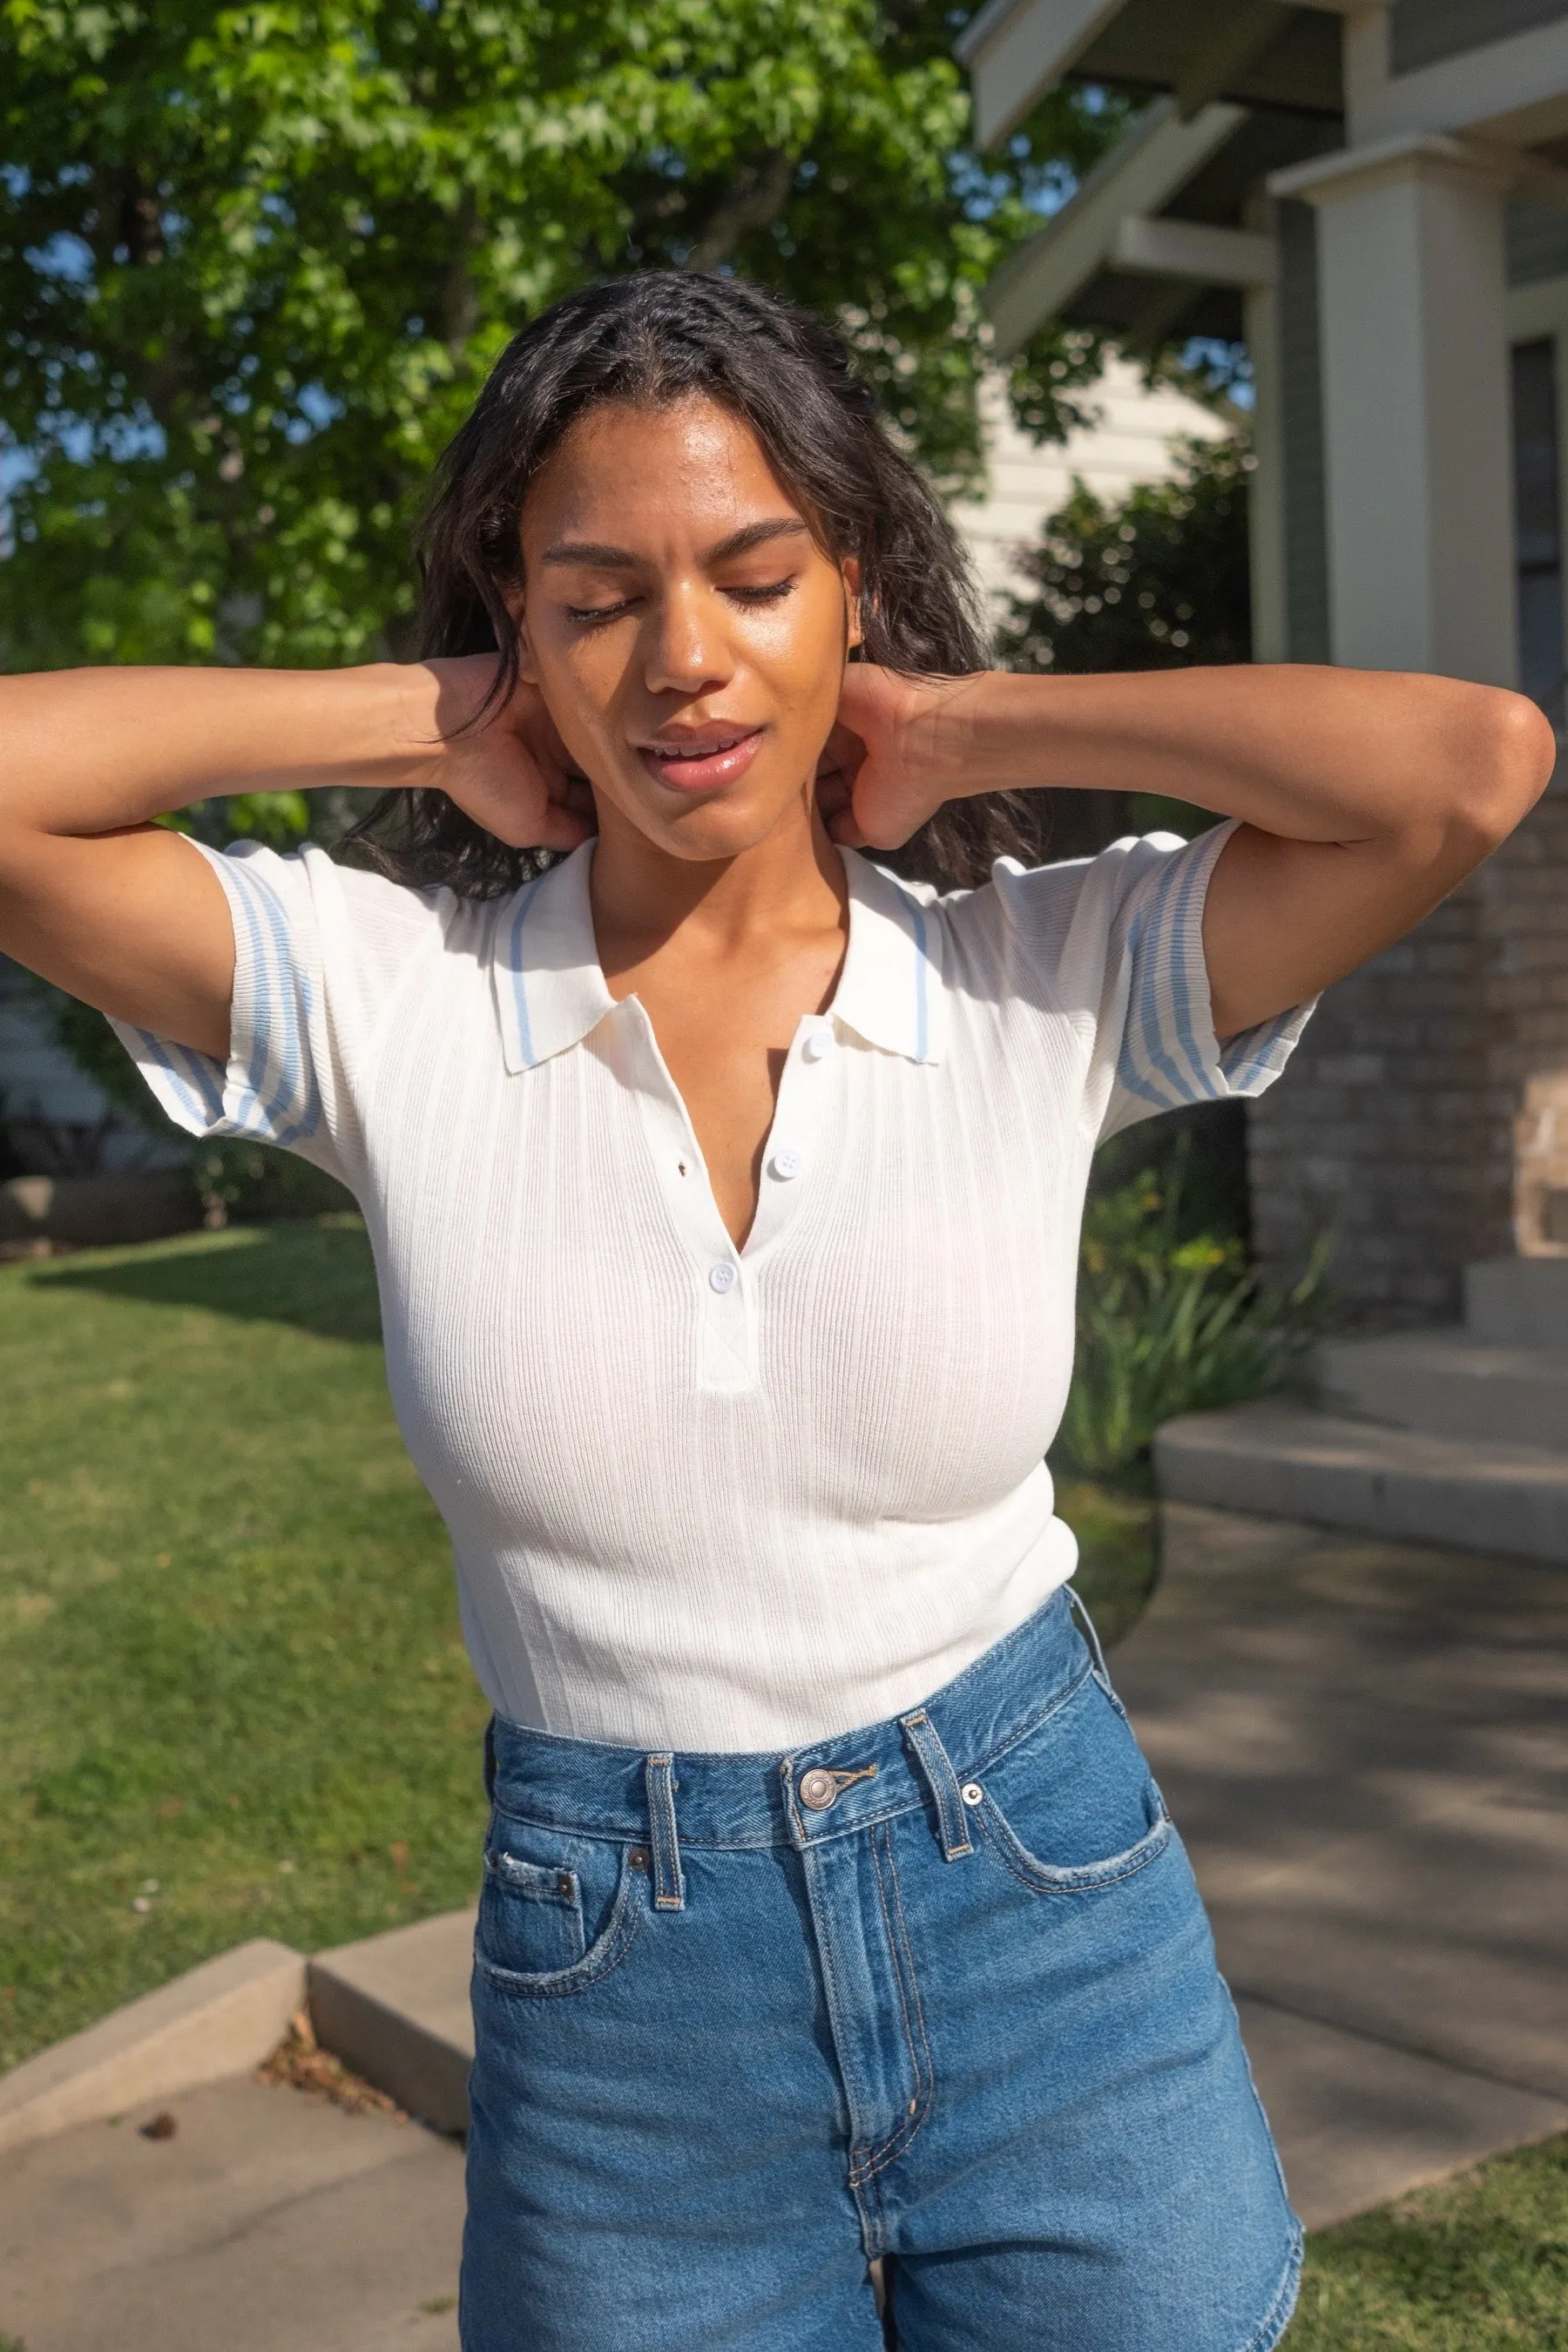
(1504, 763)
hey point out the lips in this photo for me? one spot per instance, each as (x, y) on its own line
(701, 759)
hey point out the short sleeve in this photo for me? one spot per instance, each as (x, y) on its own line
(283, 1082)
(1121, 936)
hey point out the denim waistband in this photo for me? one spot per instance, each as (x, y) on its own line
(821, 1790)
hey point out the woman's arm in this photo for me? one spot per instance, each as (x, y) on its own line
(1364, 795)
(124, 913)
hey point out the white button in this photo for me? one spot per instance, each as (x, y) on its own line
(973, 1793)
(722, 1276)
(785, 1164)
(815, 1044)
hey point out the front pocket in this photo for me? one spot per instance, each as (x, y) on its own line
(1068, 1878)
(556, 1912)
(1070, 1807)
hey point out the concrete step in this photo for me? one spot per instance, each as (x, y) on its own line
(1452, 1385)
(1518, 1302)
(264, 2221)
(1285, 1461)
(395, 2009)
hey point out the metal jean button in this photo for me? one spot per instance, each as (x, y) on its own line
(818, 1789)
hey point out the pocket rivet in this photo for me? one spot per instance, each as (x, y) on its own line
(639, 1857)
(563, 1884)
(973, 1793)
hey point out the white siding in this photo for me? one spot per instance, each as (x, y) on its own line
(37, 1081)
(1129, 442)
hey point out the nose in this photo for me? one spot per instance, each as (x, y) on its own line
(685, 646)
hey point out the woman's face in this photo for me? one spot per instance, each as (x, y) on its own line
(685, 629)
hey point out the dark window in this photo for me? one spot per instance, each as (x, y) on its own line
(1537, 522)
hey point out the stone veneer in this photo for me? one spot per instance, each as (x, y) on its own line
(1425, 1118)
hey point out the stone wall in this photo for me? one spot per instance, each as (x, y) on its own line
(1419, 1121)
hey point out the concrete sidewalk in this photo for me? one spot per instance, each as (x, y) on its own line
(269, 2222)
(1365, 1747)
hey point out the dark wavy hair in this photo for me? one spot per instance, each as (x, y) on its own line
(650, 339)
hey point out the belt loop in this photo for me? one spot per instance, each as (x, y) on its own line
(669, 1887)
(936, 1769)
(491, 1760)
(1097, 1655)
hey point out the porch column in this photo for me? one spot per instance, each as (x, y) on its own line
(1415, 404)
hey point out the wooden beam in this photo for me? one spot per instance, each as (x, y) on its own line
(1191, 250)
(1143, 171)
(1243, 34)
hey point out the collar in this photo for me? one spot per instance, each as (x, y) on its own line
(889, 992)
(550, 990)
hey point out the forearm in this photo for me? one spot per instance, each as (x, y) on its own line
(1308, 754)
(98, 751)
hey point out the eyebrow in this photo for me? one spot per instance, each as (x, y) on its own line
(600, 557)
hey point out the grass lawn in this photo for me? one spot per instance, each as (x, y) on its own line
(233, 1701)
(1478, 2264)
(233, 1698)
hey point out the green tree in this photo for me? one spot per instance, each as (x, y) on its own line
(1159, 582)
(254, 261)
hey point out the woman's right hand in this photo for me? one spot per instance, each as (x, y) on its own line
(510, 773)
(124, 913)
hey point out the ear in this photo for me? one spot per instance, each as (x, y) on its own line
(850, 569)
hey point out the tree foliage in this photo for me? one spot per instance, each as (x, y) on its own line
(1159, 582)
(255, 260)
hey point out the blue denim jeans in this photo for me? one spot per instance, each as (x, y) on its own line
(941, 1991)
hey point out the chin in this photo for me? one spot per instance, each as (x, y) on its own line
(710, 830)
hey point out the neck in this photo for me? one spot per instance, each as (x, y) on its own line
(790, 881)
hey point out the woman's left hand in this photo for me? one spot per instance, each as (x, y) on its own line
(890, 763)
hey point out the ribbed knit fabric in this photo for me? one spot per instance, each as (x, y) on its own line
(703, 1497)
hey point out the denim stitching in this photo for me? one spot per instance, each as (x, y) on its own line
(882, 2152)
(823, 1947)
(1035, 1723)
(1116, 1868)
(886, 2151)
(1277, 2316)
(605, 1954)
(941, 1781)
(613, 1834)
(906, 1947)
(664, 1836)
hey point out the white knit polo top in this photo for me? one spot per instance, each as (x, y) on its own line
(705, 1497)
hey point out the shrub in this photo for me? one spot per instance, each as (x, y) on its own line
(1171, 1321)
(1160, 581)
(252, 1184)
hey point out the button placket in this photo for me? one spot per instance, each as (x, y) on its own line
(793, 1141)
(725, 1339)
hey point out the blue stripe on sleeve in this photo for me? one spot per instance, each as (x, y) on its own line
(289, 1108)
(1168, 1055)
(191, 1087)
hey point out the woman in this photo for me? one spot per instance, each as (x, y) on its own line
(725, 1190)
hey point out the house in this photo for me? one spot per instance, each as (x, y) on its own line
(1375, 197)
(43, 1097)
(1127, 441)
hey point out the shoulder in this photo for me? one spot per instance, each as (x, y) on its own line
(1043, 901)
(307, 899)
(1069, 927)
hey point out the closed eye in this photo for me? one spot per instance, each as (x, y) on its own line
(774, 593)
(599, 611)
(589, 615)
